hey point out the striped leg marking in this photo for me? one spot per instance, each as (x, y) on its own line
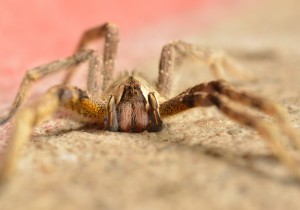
(221, 95)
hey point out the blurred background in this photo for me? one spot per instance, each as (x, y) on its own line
(68, 168)
(36, 32)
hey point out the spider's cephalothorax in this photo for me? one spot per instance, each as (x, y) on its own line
(133, 108)
(131, 105)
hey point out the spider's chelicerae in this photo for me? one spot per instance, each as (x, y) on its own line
(130, 104)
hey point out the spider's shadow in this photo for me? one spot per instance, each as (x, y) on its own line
(58, 131)
(246, 162)
(260, 165)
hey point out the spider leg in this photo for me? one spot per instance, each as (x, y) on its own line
(259, 103)
(221, 94)
(110, 32)
(27, 118)
(40, 72)
(174, 52)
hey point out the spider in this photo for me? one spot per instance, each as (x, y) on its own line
(130, 104)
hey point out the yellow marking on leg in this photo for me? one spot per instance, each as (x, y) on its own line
(87, 108)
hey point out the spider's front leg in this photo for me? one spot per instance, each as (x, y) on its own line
(110, 33)
(174, 52)
(26, 119)
(222, 95)
(38, 73)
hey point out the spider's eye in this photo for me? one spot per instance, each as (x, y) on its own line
(136, 86)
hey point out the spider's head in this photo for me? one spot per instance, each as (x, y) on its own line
(132, 108)
(132, 92)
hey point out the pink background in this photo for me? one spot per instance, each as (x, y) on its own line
(34, 32)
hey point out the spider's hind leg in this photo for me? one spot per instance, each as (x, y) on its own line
(26, 119)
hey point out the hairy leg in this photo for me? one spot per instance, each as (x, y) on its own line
(260, 104)
(270, 132)
(110, 32)
(222, 95)
(27, 118)
(176, 51)
(40, 72)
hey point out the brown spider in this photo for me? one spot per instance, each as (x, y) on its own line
(130, 104)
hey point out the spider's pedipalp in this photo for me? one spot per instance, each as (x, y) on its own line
(112, 120)
(71, 98)
(110, 33)
(40, 72)
(155, 123)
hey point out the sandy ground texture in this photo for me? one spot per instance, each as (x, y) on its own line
(201, 160)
